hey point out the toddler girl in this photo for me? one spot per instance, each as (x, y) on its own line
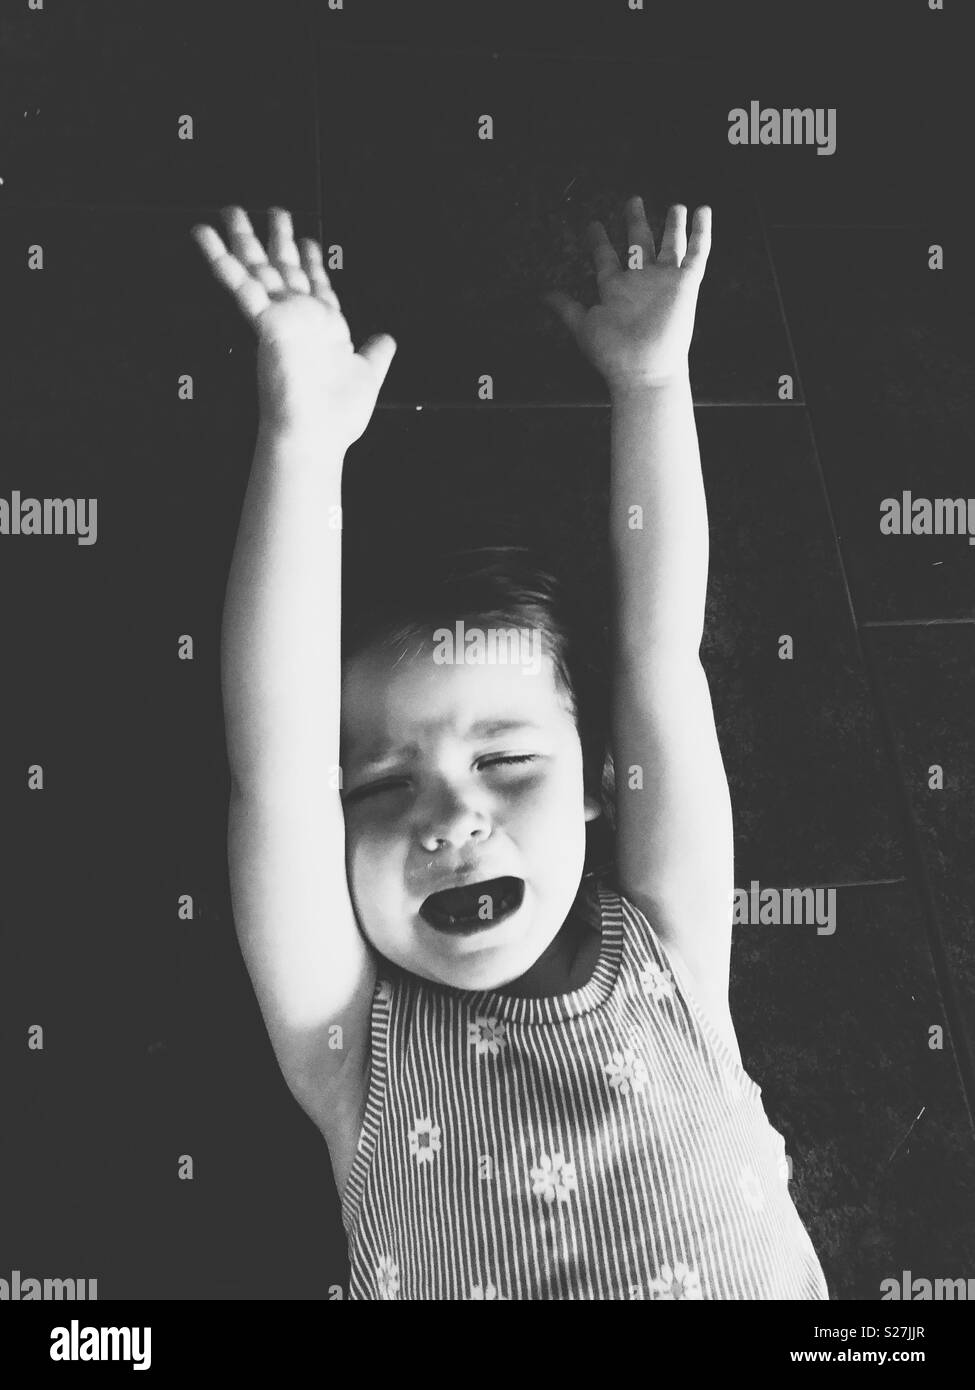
(522, 1059)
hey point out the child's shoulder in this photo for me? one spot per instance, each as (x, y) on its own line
(663, 969)
(616, 909)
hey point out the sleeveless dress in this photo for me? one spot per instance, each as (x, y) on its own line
(601, 1144)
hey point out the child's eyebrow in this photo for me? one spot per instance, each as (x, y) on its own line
(484, 728)
(487, 728)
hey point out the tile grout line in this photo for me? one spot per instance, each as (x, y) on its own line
(410, 48)
(845, 226)
(949, 999)
(644, 56)
(809, 422)
(191, 209)
(32, 205)
(916, 622)
(312, 32)
(949, 996)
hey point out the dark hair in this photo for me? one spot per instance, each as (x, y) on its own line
(501, 586)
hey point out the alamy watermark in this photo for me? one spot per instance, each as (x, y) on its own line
(926, 1290)
(764, 125)
(924, 516)
(493, 646)
(18, 1289)
(50, 516)
(759, 906)
(77, 1343)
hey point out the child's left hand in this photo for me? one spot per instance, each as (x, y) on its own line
(640, 333)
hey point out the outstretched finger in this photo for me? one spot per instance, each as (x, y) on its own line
(283, 251)
(569, 310)
(606, 259)
(246, 246)
(638, 231)
(249, 293)
(700, 241)
(311, 262)
(673, 245)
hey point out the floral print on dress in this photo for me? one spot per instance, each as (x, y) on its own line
(679, 1282)
(486, 1034)
(751, 1188)
(424, 1140)
(486, 1291)
(387, 1277)
(554, 1178)
(627, 1072)
(657, 984)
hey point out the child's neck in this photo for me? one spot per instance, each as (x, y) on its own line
(566, 965)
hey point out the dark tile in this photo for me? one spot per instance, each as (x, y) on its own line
(453, 240)
(898, 150)
(93, 413)
(812, 792)
(927, 676)
(898, 147)
(128, 735)
(133, 812)
(124, 313)
(93, 96)
(154, 1044)
(835, 1028)
(884, 356)
(140, 1069)
(124, 305)
(589, 29)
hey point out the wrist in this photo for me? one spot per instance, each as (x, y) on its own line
(293, 405)
(305, 440)
(623, 387)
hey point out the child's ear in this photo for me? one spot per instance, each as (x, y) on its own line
(593, 810)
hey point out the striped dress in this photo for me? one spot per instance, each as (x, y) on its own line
(601, 1144)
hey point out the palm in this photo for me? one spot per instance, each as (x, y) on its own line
(295, 315)
(306, 364)
(305, 353)
(642, 327)
(644, 317)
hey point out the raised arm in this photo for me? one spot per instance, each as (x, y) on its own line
(311, 969)
(674, 826)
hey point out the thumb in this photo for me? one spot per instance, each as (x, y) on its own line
(379, 351)
(569, 310)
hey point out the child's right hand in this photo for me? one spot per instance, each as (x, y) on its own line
(309, 374)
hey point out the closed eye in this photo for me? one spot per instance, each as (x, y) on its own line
(513, 758)
(506, 760)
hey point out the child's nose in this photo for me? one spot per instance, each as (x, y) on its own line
(451, 818)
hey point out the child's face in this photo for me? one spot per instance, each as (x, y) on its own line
(418, 816)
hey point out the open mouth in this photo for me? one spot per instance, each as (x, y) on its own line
(474, 907)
